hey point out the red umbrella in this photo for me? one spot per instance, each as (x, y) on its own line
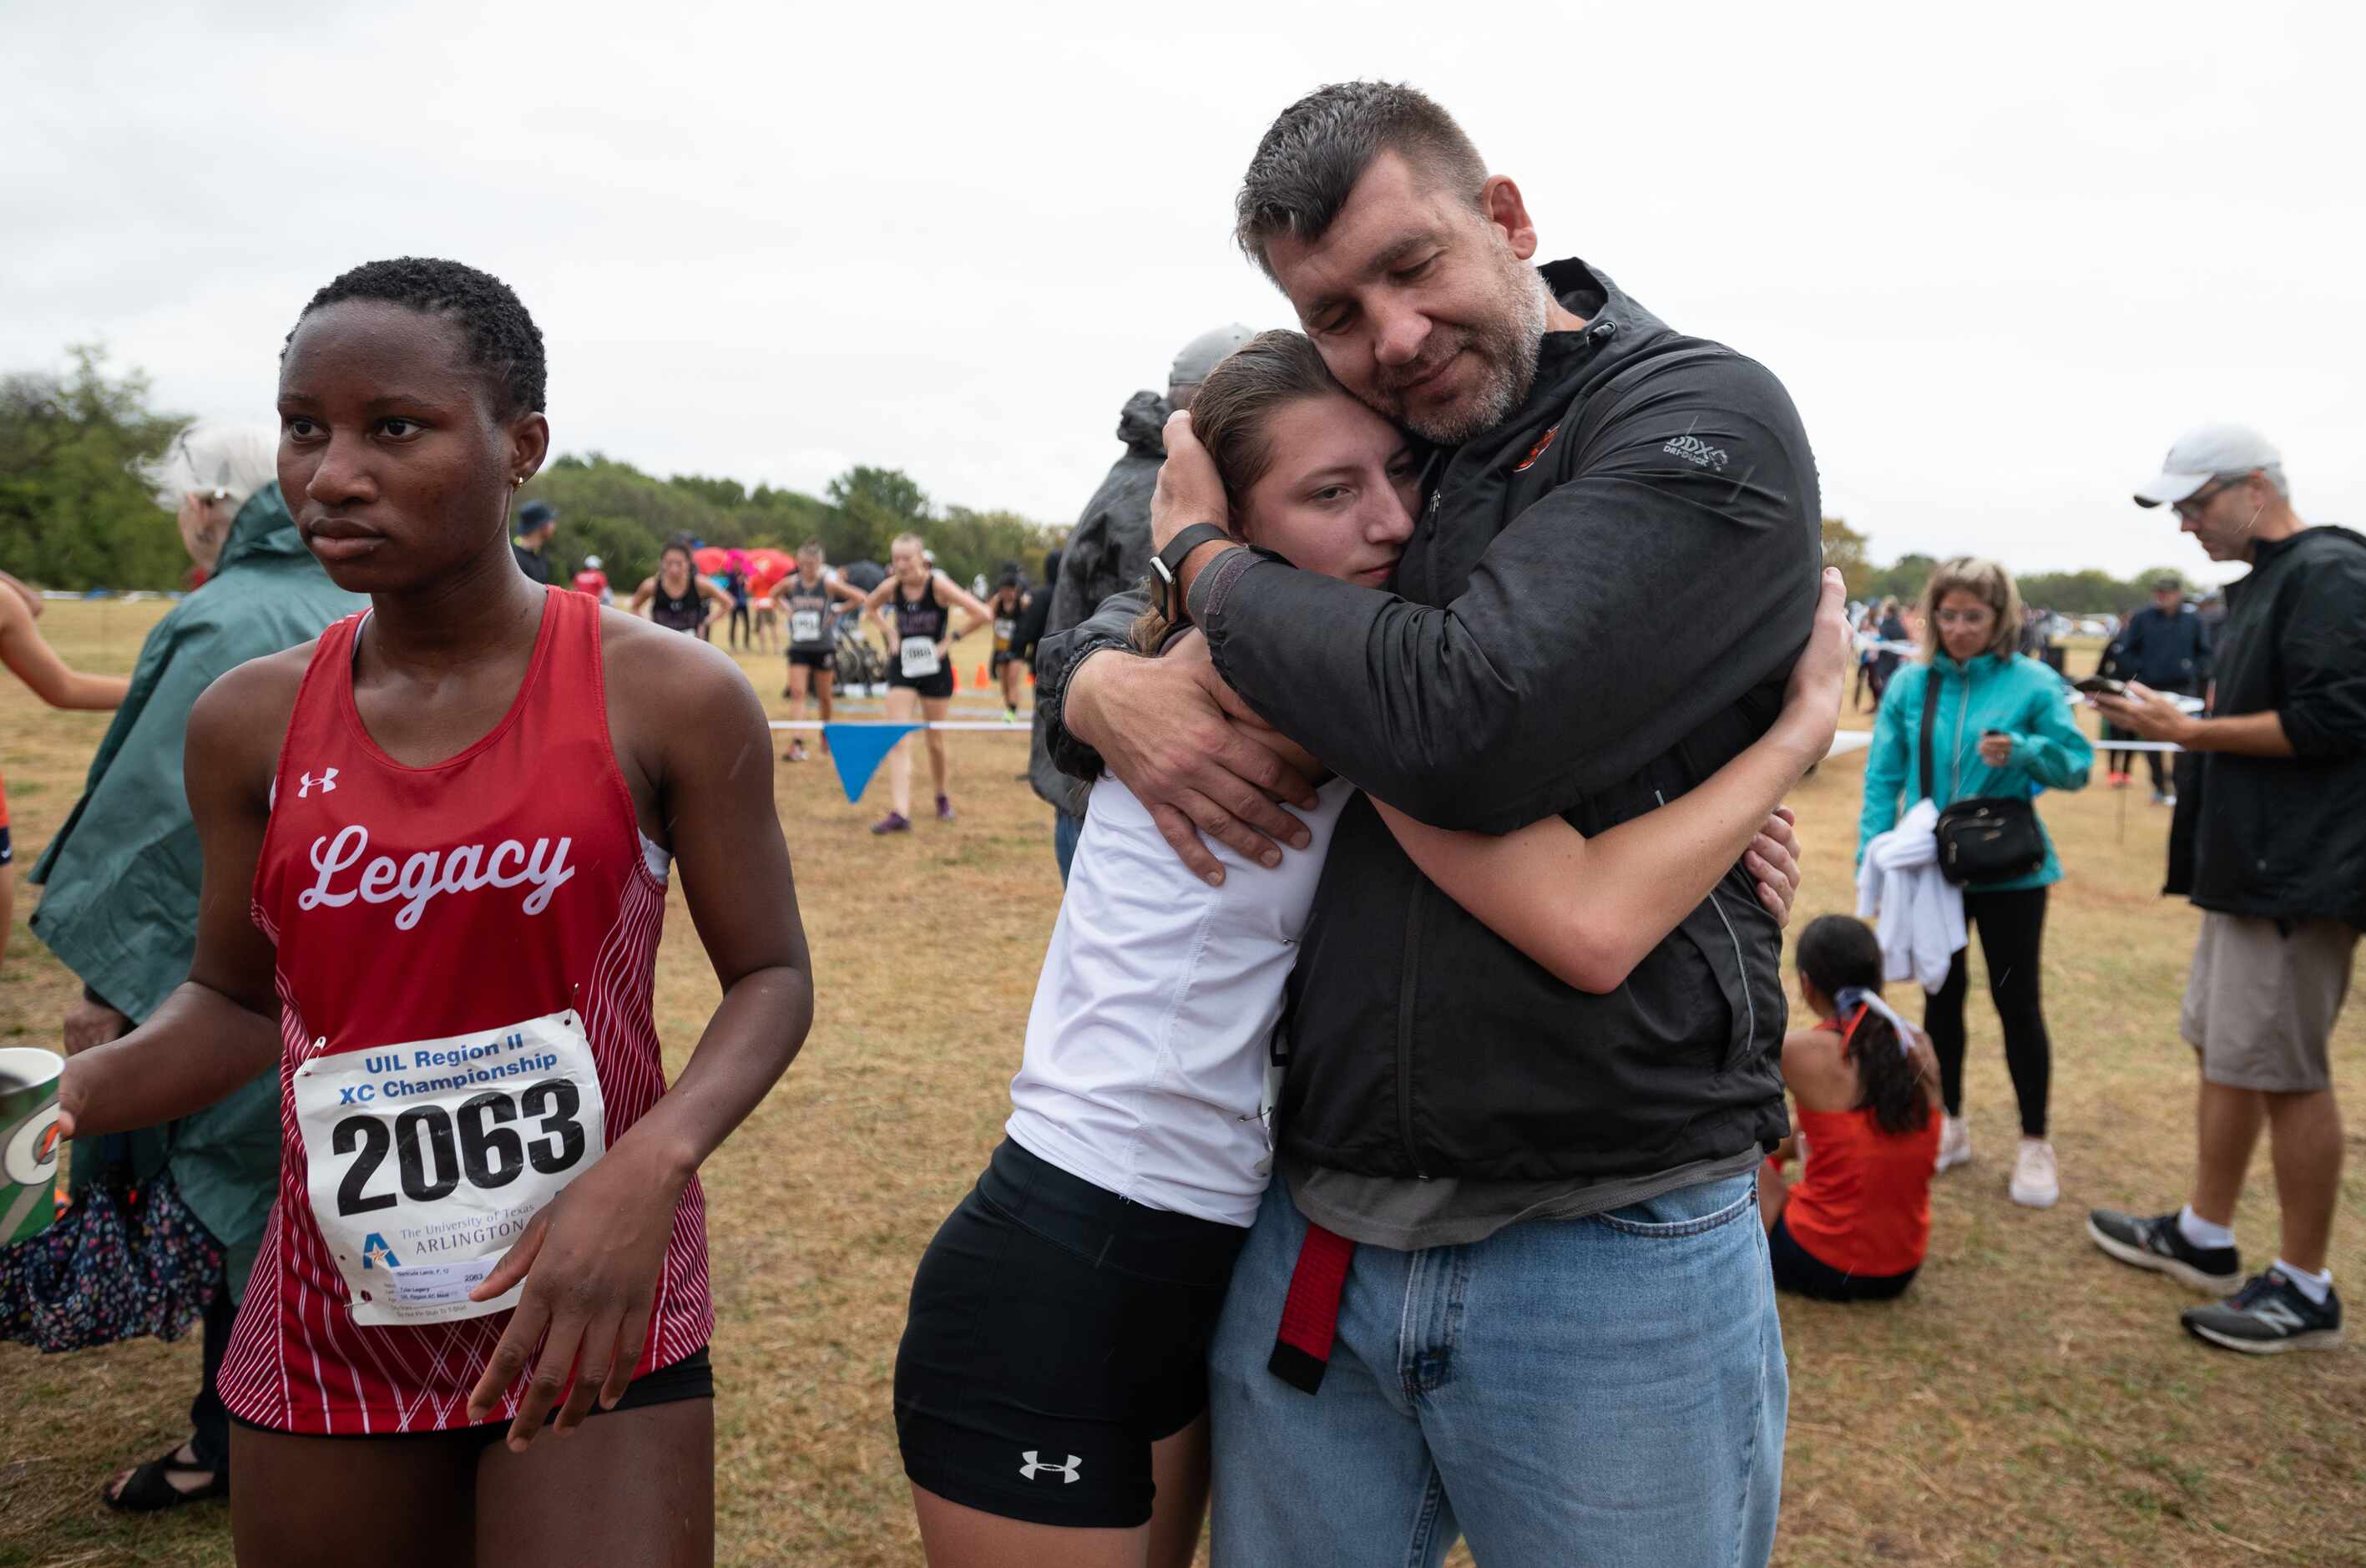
(710, 559)
(766, 566)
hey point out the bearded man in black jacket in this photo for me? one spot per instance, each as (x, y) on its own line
(1556, 1330)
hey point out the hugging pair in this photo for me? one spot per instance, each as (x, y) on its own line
(1499, 995)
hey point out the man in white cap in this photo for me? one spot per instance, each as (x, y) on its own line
(1108, 551)
(2279, 872)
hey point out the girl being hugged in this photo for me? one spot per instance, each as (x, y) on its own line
(1051, 1385)
(436, 843)
(920, 665)
(1865, 1082)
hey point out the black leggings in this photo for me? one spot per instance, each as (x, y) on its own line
(2012, 935)
(208, 1419)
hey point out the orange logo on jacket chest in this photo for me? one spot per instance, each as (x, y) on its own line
(1537, 451)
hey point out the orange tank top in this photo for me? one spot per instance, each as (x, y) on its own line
(1863, 1203)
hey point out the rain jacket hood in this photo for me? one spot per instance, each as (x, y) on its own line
(1107, 552)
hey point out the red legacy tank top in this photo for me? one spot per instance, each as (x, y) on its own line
(466, 956)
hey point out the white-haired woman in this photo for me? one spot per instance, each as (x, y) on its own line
(120, 880)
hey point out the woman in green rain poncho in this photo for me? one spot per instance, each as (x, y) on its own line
(121, 879)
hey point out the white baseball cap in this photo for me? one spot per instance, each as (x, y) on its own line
(2213, 451)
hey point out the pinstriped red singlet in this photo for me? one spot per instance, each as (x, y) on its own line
(466, 955)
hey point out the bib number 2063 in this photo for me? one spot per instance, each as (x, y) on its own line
(434, 1151)
(426, 1160)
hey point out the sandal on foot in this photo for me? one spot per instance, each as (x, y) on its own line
(149, 1488)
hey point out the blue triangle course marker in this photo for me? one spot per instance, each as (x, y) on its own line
(859, 748)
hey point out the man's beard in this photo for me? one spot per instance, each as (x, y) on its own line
(1505, 345)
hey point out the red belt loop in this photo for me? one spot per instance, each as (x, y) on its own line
(1309, 1313)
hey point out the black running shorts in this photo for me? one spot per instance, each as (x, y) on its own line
(1802, 1273)
(939, 684)
(692, 1377)
(824, 658)
(1057, 1332)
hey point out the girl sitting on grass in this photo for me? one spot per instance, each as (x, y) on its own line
(1865, 1082)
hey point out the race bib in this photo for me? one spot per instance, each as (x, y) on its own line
(427, 1159)
(1003, 626)
(919, 658)
(804, 626)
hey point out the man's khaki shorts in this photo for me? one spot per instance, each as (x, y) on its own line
(2260, 1004)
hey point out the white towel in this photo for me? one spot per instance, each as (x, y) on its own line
(1921, 912)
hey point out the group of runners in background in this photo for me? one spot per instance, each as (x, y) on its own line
(912, 607)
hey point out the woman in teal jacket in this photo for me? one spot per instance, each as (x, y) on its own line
(2003, 727)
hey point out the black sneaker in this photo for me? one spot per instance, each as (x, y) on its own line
(2267, 1315)
(2157, 1245)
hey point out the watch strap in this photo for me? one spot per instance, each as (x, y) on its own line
(1170, 565)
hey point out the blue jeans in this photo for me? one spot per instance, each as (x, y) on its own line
(1066, 831)
(1607, 1390)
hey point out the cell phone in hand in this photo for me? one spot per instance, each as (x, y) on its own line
(2101, 685)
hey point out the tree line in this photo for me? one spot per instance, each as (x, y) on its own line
(2087, 592)
(74, 514)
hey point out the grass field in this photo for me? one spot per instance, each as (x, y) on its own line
(2026, 1402)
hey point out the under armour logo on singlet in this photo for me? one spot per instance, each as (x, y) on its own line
(327, 783)
(1066, 1473)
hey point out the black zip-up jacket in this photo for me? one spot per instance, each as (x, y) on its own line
(1598, 609)
(2284, 838)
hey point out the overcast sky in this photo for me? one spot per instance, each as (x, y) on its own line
(2000, 256)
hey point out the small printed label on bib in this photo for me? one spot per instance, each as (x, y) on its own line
(804, 626)
(426, 1160)
(919, 658)
(433, 1285)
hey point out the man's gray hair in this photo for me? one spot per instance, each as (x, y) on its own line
(225, 460)
(2274, 474)
(1314, 153)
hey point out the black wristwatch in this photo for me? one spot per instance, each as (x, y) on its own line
(1167, 567)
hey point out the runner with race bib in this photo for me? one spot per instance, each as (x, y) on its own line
(810, 594)
(920, 665)
(1009, 602)
(453, 819)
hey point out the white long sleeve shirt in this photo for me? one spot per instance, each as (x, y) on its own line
(1921, 924)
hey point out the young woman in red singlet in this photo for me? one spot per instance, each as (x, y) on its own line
(1855, 1225)
(452, 820)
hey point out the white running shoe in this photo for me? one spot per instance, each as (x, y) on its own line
(1954, 1144)
(2035, 1182)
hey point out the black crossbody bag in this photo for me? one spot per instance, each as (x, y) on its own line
(1990, 837)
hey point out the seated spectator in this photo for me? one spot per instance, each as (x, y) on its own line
(1866, 1083)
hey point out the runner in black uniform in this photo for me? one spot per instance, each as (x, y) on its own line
(919, 664)
(1009, 601)
(810, 594)
(678, 598)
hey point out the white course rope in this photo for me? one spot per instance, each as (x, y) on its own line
(885, 724)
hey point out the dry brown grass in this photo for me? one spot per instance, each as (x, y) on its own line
(2026, 1402)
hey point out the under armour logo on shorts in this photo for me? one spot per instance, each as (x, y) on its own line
(1066, 1473)
(327, 783)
